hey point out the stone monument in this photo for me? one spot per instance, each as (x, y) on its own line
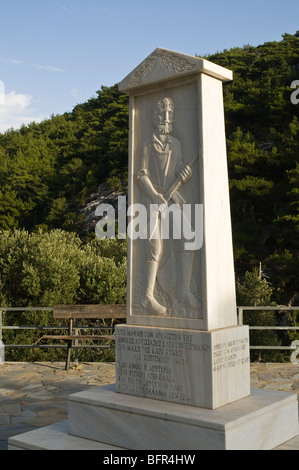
(181, 342)
(182, 361)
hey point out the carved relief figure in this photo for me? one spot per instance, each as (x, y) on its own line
(161, 166)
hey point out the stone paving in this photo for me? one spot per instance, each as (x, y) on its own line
(34, 395)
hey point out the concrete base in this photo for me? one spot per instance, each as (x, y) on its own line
(103, 419)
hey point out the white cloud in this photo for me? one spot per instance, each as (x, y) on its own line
(48, 67)
(17, 110)
(12, 61)
(37, 66)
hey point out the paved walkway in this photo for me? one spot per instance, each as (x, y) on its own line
(33, 395)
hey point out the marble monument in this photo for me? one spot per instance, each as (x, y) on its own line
(181, 342)
(182, 360)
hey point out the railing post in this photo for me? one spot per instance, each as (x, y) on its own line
(2, 358)
(240, 315)
(76, 343)
(69, 345)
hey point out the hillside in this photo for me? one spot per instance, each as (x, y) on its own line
(49, 171)
(262, 126)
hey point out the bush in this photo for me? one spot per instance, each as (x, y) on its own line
(253, 290)
(45, 269)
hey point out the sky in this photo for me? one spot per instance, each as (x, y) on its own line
(55, 54)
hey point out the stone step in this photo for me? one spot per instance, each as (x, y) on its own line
(54, 437)
(262, 421)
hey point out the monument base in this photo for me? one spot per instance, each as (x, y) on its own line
(208, 369)
(103, 419)
(55, 437)
(263, 420)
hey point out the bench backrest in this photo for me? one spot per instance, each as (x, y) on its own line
(90, 311)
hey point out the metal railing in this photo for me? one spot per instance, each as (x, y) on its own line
(24, 309)
(240, 316)
(76, 329)
(277, 308)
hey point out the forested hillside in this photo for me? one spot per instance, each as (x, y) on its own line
(49, 170)
(262, 126)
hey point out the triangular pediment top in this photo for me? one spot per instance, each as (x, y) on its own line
(163, 64)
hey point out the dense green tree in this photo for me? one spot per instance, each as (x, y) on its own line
(254, 290)
(263, 159)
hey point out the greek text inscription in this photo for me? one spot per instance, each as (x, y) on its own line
(155, 362)
(230, 354)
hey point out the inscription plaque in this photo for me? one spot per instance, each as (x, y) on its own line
(179, 365)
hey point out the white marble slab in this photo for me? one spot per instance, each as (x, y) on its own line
(163, 276)
(200, 368)
(45, 441)
(54, 437)
(262, 421)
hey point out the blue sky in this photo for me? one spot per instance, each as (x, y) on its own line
(55, 54)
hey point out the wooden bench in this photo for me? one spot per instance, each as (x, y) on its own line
(72, 312)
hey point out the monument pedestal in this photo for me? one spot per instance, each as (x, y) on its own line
(201, 368)
(101, 419)
(261, 421)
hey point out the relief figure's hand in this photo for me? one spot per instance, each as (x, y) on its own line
(186, 174)
(158, 199)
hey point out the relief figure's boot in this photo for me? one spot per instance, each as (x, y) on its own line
(185, 267)
(148, 300)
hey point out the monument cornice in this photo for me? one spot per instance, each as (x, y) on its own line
(163, 64)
